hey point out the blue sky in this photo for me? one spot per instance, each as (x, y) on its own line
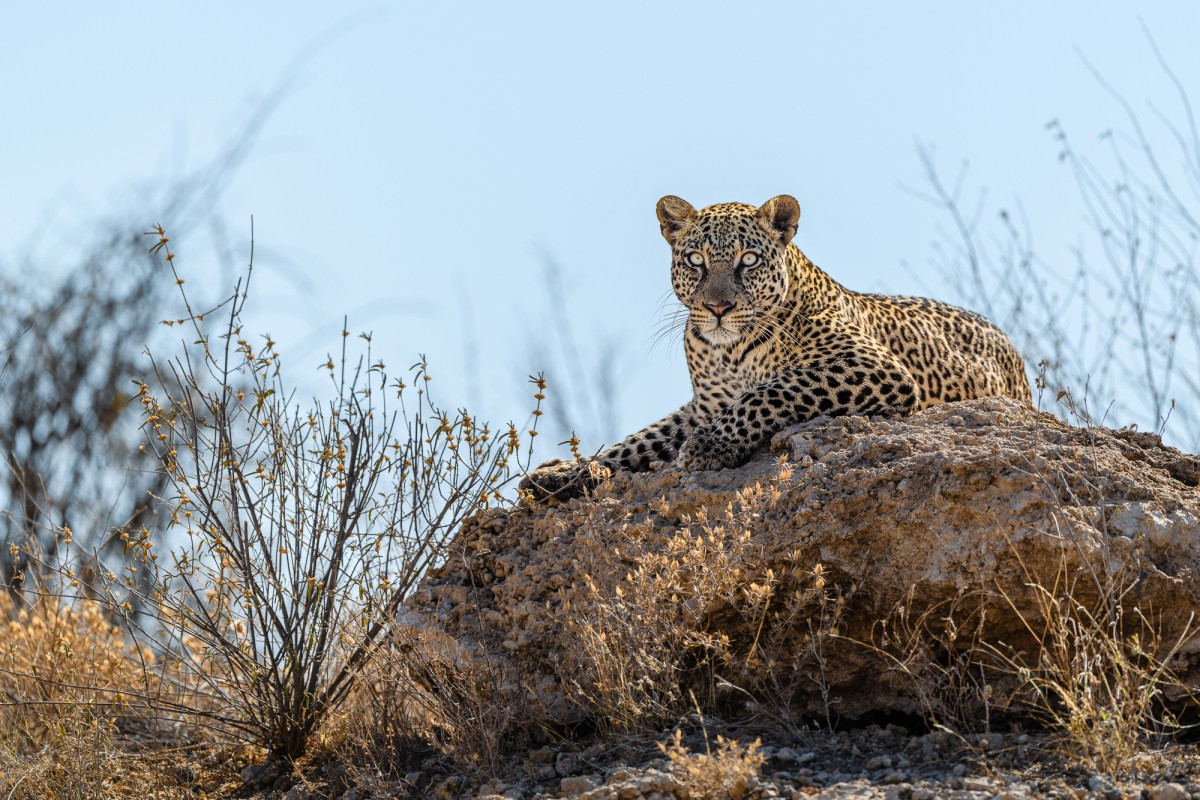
(428, 159)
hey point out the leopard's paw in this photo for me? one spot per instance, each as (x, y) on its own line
(560, 479)
(708, 449)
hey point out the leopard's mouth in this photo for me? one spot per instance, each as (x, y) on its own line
(718, 330)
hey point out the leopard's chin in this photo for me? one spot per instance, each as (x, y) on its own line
(720, 336)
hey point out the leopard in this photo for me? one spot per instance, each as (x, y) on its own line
(772, 341)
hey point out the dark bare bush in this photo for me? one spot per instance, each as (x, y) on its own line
(67, 432)
(294, 531)
(1121, 324)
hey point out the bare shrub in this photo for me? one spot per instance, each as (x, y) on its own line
(1123, 319)
(300, 529)
(71, 345)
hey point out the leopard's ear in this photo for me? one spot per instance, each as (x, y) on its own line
(781, 214)
(674, 214)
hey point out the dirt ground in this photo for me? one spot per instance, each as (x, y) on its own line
(877, 761)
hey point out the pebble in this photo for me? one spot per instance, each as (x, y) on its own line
(577, 784)
(567, 764)
(1103, 786)
(258, 775)
(1166, 791)
(544, 755)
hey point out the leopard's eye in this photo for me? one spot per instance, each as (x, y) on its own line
(749, 259)
(695, 259)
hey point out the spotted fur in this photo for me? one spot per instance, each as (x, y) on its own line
(771, 341)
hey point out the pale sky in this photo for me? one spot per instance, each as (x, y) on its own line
(428, 159)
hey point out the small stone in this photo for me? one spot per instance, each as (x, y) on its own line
(977, 785)
(960, 770)
(1103, 786)
(788, 755)
(1167, 791)
(257, 776)
(879, 762)
(297, 792)
(566, 764)
(545, 755)
(577, 785)
(450, 789)
(990, 741)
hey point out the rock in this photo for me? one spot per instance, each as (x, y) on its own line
(451, 788)
(891, 524)
(1166, 791)
(577, 785)
(257, 776)
(977, 785)
(1104, 787)
(566, 764)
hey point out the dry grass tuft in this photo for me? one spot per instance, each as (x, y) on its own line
(649, 621)
(730, 772)
(71, 691)
(63, 663)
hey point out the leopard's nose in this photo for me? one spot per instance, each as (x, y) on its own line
(719, 309)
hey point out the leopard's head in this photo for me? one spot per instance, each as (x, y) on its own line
(729, 262)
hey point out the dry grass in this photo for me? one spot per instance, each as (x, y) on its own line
(730, 772)
(1101, 671)
(649, 623)
(72, 688)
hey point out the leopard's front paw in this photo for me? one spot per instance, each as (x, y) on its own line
(559, 479)
(708, 449)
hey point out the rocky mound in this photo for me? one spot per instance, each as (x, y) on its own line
(857, 567)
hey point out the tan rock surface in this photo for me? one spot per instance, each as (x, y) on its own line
(839, 567)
